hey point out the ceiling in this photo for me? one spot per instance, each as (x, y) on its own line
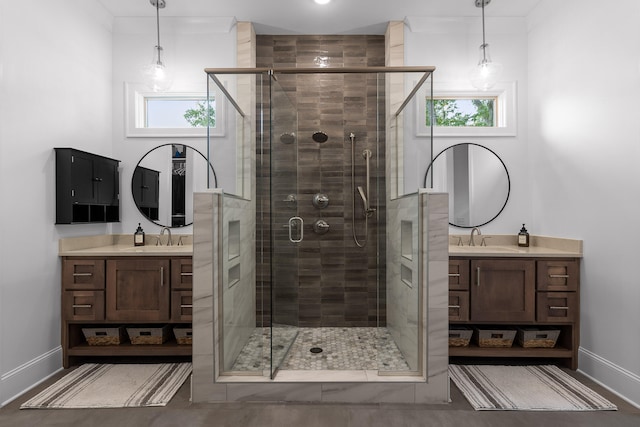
(307, 17)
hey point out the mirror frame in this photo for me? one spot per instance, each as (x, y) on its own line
(213, 172)
(505, 170)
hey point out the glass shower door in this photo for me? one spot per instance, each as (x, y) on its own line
(287, 227)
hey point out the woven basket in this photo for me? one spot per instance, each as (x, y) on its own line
(495, 337)
(459, 336)
(152, 335)
(537, 338)
(103, 336)
(183, 336)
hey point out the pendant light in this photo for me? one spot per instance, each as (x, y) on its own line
(155, 74)
(485, 75)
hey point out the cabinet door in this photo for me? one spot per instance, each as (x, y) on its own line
(458, 306)
(182, 273)
(181, 306)
(558, 307)
(502, 290)
(458, 274)
(138, 289)
(83, 274)
(82, 178)
(106, 179)
(558, 275)
(83, 305)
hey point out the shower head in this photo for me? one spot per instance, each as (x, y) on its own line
(365, 203)
(288, 137)
(319, 137)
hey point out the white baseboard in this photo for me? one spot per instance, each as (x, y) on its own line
(28, 375)
(614, 378)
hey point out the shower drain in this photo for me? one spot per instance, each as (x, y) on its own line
(315, 350)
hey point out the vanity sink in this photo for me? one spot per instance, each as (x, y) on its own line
(143, 249)
(483, 249)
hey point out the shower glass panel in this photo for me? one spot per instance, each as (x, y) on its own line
(287, 226)
(339, 276)
(243, 345)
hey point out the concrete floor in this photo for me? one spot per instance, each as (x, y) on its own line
(180, 412)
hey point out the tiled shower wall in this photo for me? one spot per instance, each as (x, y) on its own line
(326, 280)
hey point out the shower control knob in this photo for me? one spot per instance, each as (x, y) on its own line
(321, 226)
(320, 200)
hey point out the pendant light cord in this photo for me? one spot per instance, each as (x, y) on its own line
(158, 48)
(484, 43)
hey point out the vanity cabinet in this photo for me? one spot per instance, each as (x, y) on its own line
(87, 187)
(121, 292)
(506, 293)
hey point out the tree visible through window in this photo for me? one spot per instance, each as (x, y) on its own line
(179, 112)
(453, 112)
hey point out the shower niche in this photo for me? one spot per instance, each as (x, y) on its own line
(331, 246)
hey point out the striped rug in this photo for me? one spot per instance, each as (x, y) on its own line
(113, 386)
(525, 388)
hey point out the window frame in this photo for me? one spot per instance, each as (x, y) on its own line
(505, 94)
(136, 95)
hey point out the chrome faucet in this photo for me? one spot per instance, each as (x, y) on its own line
(471, 241)
(169, 241)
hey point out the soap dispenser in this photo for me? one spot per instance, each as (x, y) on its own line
(138, 236)
(523, 237)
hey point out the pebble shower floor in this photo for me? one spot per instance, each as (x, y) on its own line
(357, 348)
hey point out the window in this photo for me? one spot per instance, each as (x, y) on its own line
(177, 114)
(469, 113)
(457, 112)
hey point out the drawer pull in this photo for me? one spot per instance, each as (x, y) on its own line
(186, 274)
(555, 307)
(454, 274)
(559, 276)
(454, 306)
(81, 306)
(82, 274)
(186, 305)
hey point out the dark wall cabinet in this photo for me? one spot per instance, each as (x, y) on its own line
(87, 187)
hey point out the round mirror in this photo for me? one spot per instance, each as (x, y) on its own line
(476, 179)
(164, 181)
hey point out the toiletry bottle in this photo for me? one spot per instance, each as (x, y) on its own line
(138, 237)
(523, 237)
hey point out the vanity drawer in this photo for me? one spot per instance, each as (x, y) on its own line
(182, 273)
(83, 305)
(83, 273)
(181, 306)
(557, 307)
(558, 275)
(458, 306)
(458, 274)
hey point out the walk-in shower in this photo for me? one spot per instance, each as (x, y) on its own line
(313, 285)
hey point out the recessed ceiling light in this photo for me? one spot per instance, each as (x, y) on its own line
(322, 1)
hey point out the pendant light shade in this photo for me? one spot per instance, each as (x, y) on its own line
(486, 74)
(155, 74)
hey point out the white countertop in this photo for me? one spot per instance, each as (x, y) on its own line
(122, 245)
(506, 246)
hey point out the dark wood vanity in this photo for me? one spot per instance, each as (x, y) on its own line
(517, 292)
(102, 290)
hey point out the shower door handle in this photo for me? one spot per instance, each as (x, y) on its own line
(293, 223)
